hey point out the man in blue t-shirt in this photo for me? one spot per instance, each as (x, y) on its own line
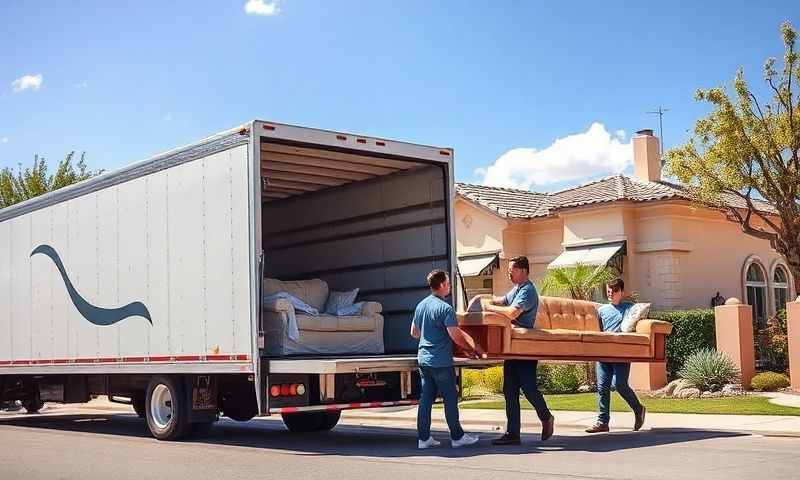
(611, 315)
(520, 306)
(436, 328)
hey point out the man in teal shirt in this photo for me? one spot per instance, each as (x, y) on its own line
(611, 315)
(520, 306)
(436, 328)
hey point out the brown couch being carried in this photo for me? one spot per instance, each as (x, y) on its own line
(565, 329)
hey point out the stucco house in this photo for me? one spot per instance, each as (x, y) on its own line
(674, 254)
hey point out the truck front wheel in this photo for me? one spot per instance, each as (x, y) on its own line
(166, 409)
(311, 421)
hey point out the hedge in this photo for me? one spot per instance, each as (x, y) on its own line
(692, 331)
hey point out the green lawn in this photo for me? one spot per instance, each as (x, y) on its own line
(587, 402)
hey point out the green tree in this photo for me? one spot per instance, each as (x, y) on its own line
(578, 282)
(748, 150)
(31, 182)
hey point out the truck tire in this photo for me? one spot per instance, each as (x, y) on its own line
(235, 405)
(138, 404)
(310, 421)
(166, 408)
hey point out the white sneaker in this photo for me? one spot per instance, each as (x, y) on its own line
(429, 443)
(467, 439)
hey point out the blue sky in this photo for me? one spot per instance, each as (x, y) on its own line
(125, 80)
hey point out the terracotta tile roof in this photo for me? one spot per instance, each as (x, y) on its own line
(513, 203)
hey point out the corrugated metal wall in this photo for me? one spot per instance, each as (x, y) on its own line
(383, 236)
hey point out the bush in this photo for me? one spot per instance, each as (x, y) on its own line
(692, 331)
(769, 382)
(471, 382)
(709, 370)
(560, 377)
(772, 346)
(493, 379)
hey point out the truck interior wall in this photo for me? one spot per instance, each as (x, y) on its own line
(382, 236)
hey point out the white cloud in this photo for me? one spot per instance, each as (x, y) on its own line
(574, 157)
(261, 7)
(82, 85)
(27, 82)
(4, 140)
(167, 117)
(620, 134)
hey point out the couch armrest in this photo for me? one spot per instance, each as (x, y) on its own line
(278, 305)
(650, 326)
(371, 308)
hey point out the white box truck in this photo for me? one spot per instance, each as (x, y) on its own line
(145, 284)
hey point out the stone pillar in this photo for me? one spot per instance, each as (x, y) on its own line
(648, 376)
(734, 328)
(793, 334)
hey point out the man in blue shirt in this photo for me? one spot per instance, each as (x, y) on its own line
(611, 315)
(520, 306)
(436, 328)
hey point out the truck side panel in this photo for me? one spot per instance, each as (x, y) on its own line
(80, 278)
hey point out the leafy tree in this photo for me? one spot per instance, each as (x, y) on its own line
(744, 156)
(31, 182)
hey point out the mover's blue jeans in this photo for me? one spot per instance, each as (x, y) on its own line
(442, 380)
(619, 372)
(521, 374)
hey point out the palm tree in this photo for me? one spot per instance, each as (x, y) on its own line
(32, 182)
(578, 282)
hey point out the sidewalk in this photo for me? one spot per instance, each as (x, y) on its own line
(566, 421)
(494, 420)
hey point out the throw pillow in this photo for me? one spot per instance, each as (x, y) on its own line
(337, 300)
(350, 310)
(636, 312)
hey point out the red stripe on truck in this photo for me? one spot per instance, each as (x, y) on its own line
(125, 360)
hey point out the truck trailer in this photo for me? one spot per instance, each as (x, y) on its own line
(145, 284)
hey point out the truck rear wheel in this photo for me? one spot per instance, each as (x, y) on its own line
(34, 404)
(166, 409)
(311, 421)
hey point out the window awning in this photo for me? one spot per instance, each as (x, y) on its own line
(603, 254)
(474, 265)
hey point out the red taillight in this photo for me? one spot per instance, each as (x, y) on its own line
(269, 127)
(444, 152)
(284, 390)
(380, 144)
(341, 137)
(274, 390)
(293, 389)
(361, 140)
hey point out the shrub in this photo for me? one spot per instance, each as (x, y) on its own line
(769, 382)
(692, 331)
(560, 378)
(709, 370)
(493, 379)
(471, 382)
(772, 347)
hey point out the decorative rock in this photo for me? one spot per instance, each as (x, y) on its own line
(670, 388)
(711, 395)
(732, 389)
(585, 389)
(733, 301)
(690, 392)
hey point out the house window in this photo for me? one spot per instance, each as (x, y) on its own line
(780, 286)
(756, 283)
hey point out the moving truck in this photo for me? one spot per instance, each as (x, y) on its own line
(145, 284)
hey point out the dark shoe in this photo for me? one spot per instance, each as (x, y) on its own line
(507, 439)
(597, 428)
(639, 419)
(547, 428)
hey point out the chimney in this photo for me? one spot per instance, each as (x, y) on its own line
(646, 156)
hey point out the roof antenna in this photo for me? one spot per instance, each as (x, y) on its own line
(660, 112)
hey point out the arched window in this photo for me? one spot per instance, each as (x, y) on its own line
(756, 283)
(780, 287)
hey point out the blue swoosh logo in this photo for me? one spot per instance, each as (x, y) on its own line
(96, 315)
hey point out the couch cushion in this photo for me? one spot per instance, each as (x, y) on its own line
(568, 314)
(319, 323)
(576, 350)
(549, 335)
(356, 323)
(614, 337)
(313, 292)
